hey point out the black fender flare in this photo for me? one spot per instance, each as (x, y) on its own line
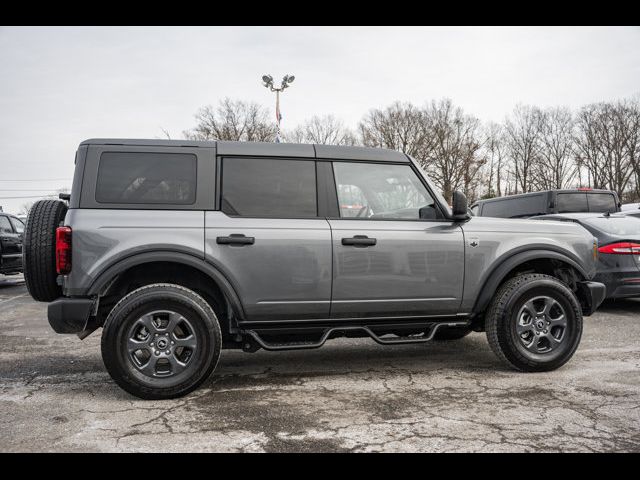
(105, 277)
(494, 278)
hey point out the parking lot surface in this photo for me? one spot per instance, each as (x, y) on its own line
(351, 395)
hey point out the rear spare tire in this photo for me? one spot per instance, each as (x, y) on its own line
(39, 249)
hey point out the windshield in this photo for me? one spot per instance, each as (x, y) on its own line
(436, 192)
(615, 225)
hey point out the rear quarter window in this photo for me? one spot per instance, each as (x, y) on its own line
(146, 178)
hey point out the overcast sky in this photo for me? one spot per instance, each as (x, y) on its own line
(59, 86)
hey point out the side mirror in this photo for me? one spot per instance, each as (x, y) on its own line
(459, 206)
(427, 213)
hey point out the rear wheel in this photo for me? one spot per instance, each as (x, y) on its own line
(39, 249)
(161, 341)
(534, 323)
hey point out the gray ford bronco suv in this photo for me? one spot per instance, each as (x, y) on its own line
(178, 249)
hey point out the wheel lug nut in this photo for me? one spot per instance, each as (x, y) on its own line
(157, 352)
(168, 352)
(151, 344)
(172, 342)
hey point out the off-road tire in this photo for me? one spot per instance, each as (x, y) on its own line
(157, 297)
(39, 249)
(500, 322)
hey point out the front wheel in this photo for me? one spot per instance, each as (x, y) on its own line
(161, 341)
(534, 323)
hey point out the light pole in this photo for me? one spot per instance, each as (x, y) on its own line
(267, 81)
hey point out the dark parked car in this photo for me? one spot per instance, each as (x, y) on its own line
(548, 202)
(631, 209)
(11, 233)
(619, 249)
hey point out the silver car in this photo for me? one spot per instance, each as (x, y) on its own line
(177, 249)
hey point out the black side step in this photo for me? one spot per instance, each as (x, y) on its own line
(363, 328)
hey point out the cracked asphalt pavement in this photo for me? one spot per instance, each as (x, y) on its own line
(351, 395)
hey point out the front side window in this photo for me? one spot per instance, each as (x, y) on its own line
(17, 225)
(261, 187)
(380, 191)
(5, 226)
(138, 178)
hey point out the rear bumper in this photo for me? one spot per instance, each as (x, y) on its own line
(621, 284)
(70, 315)
(591, 294)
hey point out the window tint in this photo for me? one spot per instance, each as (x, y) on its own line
(157, 178)
(18, 226)
(516, 206)
(601, 202)
(269, 187)
(572, 202)
(379, 191)
(5, 226)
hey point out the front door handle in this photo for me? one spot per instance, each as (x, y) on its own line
(359, 241)
(235, 239)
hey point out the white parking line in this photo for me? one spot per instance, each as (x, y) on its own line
(13, 298)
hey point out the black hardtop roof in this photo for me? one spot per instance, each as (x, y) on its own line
(560, 190)
(265, 149)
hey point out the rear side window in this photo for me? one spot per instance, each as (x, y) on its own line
(139, 178)
(260, 187)
(602, 202)
(572, 202)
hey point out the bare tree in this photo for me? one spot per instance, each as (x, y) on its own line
(555, 166)
(605, 135)
(631, 116)
(233, 120)
(25, 207)
(401, 126)
(523, 143)
(327, 130)
(494, 147)
(452, 153)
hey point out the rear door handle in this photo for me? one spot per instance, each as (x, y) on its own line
(235, 239)
(359, 241)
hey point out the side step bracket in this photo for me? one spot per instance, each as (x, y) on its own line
(325, 336)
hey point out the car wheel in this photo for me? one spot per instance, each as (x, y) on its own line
(161, 341)
(451, 333)
(534, 323)
(39, 249)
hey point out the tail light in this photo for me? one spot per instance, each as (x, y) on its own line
(621, 248)
(63, 250)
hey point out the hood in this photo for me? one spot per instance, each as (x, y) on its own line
(517, 225)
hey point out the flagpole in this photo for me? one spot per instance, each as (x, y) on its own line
(278, 116)
(267, 81)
